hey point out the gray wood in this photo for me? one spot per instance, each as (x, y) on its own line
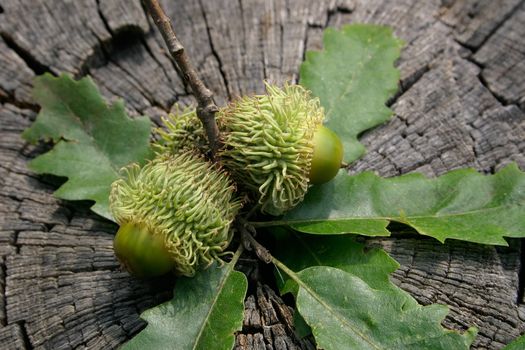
(502, 59)
(461, 103)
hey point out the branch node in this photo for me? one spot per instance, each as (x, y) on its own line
(206, 108)
(250, 243)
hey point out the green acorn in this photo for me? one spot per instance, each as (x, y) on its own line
(274, 145)
(174, 213)
(269, 144)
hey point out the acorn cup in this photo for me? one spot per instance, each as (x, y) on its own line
(275, 146)
(182, 131)
(174, 213)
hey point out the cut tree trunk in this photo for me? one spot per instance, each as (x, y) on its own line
(461, 103)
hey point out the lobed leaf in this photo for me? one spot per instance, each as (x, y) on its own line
(346, 313)
(462, 204)
(205, 312)
(93, 140)
(299, 251)
(353, 76)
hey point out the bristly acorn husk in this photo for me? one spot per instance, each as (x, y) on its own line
(268, 144)
(182, 131)
(184, 199)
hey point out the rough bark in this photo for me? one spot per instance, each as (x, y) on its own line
(461, 103)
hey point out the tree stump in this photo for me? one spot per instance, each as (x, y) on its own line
(461, 104)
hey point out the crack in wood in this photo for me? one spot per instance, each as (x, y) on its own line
(25, 336)
(3, 310)
(501, 274)
(103, 18)
(504, 20)
(521, 285)
(36, 66)
(214, 51)
(407, 83)
(176, 96)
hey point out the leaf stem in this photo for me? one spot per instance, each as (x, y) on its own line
(237, 255)
(206, 107)
(287, 271)
(253, 210)
(269, 258)
(267, 223)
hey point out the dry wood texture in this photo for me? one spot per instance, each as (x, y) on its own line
(461, 103)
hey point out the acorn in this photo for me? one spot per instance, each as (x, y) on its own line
(275, 145)
(174, 213)
(182, 131)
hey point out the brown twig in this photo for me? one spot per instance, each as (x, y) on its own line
(206, 108)
(248, 241)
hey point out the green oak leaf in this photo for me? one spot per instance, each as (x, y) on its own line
(354, 76)
(299, 251)
(93, 140)
(205, 312)
(462, 204)
(345, 313)
(517, 344)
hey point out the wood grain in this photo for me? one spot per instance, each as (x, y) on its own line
(461, 103)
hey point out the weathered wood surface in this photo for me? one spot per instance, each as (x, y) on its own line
(461, 103)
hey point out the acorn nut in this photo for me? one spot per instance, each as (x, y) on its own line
(174, 213)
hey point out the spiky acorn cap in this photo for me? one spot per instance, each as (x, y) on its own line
(182, 131)
(183, 199)
(268, 144)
